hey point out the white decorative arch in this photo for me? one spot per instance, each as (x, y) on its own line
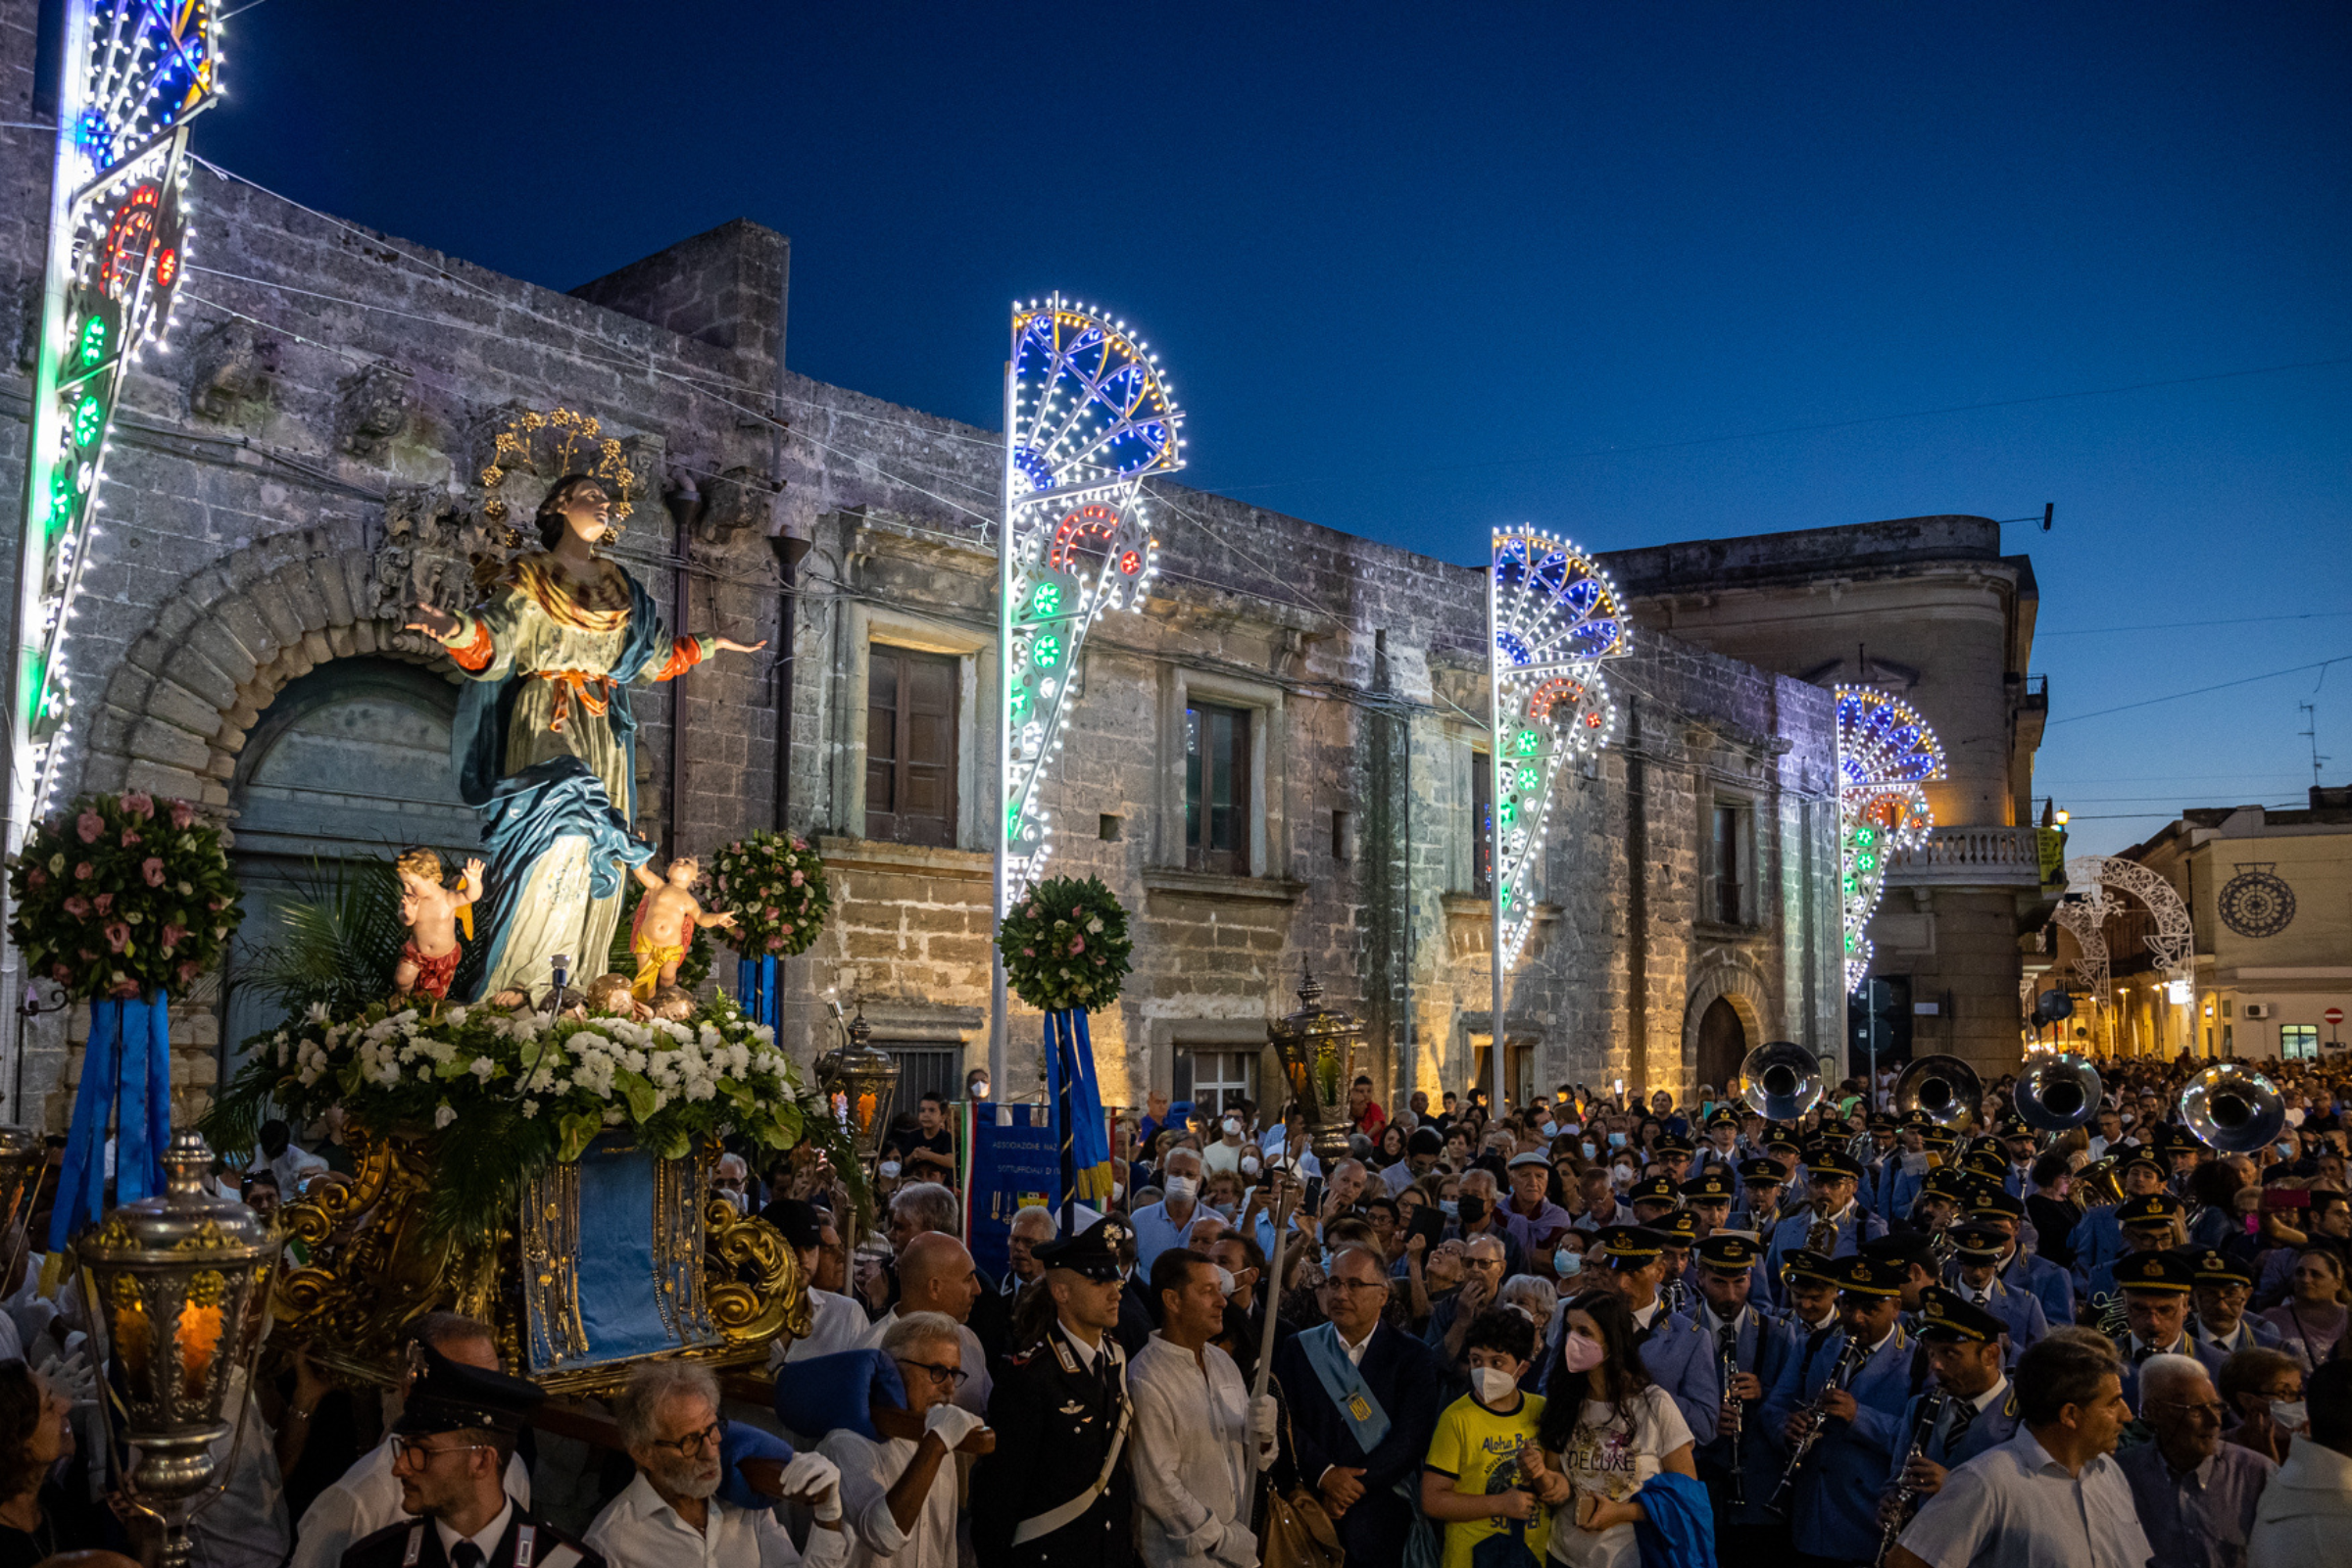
(2093, 881)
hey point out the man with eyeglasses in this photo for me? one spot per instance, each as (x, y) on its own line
(450, 1449)
(673, 1514)
(2195, 1494)
(897, 1486)
(368, 1497)
(936, 1275)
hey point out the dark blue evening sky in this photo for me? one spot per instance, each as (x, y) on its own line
(1416, 271)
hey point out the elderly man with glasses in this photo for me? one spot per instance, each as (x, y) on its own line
(2195, 1494)
(898, 1487)
(671, 1512)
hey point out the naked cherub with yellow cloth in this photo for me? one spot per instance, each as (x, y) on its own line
(667, 918)
(432, 911)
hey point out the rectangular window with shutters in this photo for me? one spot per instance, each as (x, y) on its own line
(1213, 1079)
(1216, 788)
(2298, 1041)
(1482, 824)
(910, 701)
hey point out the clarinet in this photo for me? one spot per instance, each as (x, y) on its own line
(1731, 1369)
(1906, 1495)
(1816, 1416)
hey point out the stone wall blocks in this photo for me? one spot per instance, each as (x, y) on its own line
(299, 582)
(227, 655)
(154, 741)
(177, 705)
(166, 783)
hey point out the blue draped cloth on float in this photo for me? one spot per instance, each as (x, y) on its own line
(1071, 1088)
(126, 1075)
(525, 814)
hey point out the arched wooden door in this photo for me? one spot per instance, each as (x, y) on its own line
(1723, 1044)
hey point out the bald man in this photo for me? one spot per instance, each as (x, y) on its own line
(936, 1275)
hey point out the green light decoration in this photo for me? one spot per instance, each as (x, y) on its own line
(1529, 778)
(1885, 752)
(1528, 742)
(93, 341)
(1046, 602)
(1047, 652)
(89, 422)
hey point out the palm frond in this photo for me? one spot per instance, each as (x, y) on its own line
(335, 942)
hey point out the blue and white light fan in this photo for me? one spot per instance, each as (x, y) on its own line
(1886, 751)
(1554, 616)
(1092, 419)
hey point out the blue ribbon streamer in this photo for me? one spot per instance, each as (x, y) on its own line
(125, 1077)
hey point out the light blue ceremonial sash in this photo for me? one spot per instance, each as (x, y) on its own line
(1344, 1382)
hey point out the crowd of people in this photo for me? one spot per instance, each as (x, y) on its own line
(1592, 1330)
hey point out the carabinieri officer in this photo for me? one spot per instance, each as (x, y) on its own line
(1055, 1493)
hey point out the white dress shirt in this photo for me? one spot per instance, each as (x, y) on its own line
(365, 1500)
(487, 1538)
(2014, 1506)
(639, 1529)
(836, 1324)
(1190, 1451)
(868, 1470)
(2305, 1511)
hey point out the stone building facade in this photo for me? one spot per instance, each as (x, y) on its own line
(1929, 610)
(302, 461)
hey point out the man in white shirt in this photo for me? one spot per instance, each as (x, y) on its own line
(670, 1515)
(1199, 1440)
(368, 1497)
(836, 1322)
(1227, 1151)
(284, 1158)
(2051, 1496)
(899, 1492)
(936, 1275)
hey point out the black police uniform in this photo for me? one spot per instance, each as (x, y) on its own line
(450, 1396)
(528, 1542)
(1055, 1493)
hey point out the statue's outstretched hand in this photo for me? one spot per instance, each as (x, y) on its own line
(734, 647)
(438, 622)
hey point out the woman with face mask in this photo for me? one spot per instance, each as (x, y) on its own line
(1486, 1479)
(1609, 1431)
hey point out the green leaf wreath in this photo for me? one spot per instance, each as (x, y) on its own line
(121, 895)
(501, 1095)
(776, 886)
(1065, 945)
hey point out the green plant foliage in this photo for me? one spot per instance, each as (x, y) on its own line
(1065, 945)
(776, 886)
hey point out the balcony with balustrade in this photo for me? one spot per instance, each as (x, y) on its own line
(1969, 856)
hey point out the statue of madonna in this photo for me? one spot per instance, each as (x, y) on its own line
(545, 744)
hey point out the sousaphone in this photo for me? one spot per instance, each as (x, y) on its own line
(1944, 1089)
(1779, 1080)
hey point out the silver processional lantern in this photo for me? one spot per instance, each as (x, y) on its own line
(176, 1286)
(1317, 1045)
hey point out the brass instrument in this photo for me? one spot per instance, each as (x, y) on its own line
(2109, 1314)
(2098, 1184)
(1822, 1235)
(1729, 1342)
(1816, 1416)
(1906, 1495)
(2234, 1110)
(1779, 1080)
(1945, 1089)
(2059, 1093)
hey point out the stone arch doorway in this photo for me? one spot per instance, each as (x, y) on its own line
(1722, 1044)
(348, 762)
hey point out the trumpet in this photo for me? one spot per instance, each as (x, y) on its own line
(1906, 1495)
(1730, 1345)
(1816, 1417)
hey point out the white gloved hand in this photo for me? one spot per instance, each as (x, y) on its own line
(72, 1376)
(952, 1423)
(815, 1480)
(1264, 1414)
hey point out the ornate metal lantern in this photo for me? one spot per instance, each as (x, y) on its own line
(860, 1082)
(1318, 1045)
(22, 1159)
(177, 1281)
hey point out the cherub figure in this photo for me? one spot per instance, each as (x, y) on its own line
(432, 911)
(667, 918)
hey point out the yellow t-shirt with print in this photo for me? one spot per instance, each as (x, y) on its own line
(1480, 1448)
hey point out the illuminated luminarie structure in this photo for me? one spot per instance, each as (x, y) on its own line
(1885, 752)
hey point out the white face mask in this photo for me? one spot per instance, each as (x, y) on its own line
(1224, 1280)
(1250, 1165)
(1181, 1189)
(1233, 1127)
(2289, 1414)
(1493, 1385)
(889, 1168)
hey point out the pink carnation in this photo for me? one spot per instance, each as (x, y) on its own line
(37, 877)
(798, 879)
(776, 915)
(1077, 945)
(172, 936)
(138, 803)
(89, 825)
(129, 838)
(152, 868)
(77, 906)
(118, 934)
(182, 813)
(189, 970)
(105, 903)
(1028, 952)
(123, 990)
(82, 872)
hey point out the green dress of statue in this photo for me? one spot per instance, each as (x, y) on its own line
(545, 743)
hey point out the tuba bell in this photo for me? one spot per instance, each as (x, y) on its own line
(1944, 1089)
(1779, 1080)
(2233, 1109)
(2059, 1093)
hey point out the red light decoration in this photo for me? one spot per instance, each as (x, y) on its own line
(128, 233)
(1091, 521)
(167, 267)
(1130, 562)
